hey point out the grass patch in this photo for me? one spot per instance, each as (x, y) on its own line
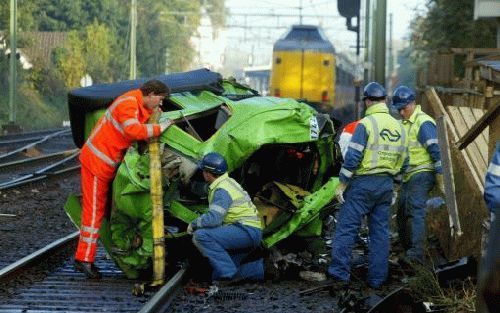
(459, 297)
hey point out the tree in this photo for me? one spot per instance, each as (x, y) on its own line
(450, 24)
(71, 61)
(98, 41)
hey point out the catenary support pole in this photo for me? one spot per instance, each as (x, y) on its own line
(133, 40)
(379, 40)
(12, 61)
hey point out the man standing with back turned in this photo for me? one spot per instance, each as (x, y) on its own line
(376, 154)
(423, 172)
(121, 125)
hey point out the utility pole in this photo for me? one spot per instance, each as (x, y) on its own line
(300, 12)
(12, 62)
(133, 40)
(379, 40)
(390, 65)
(367, 60)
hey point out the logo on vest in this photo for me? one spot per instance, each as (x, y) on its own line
(388, 135)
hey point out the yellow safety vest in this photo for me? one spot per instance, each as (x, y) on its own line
(420, 159)
(242, 209)
(386, 146)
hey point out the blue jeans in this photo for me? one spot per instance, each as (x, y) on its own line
(226, 246)
(411, 213)
(370, 195)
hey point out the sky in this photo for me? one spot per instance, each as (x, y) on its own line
(255, 25)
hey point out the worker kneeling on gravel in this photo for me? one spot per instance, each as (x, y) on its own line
(231, 228)
(423, 172)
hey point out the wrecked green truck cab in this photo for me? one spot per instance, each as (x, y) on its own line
(280, 150)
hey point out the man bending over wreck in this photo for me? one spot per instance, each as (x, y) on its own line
(230, 229)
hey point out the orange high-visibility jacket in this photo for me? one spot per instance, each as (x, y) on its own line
(121, 124)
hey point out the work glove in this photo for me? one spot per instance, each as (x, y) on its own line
(339, 192)
(166, 124)
(440, 182)
(189, 229)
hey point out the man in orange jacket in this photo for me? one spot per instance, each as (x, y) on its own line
(123, 123)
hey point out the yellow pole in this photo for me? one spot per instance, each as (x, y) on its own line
(157, 207)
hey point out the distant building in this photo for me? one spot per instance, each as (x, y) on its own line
(257, 77)
(42, 45)
(38, 48)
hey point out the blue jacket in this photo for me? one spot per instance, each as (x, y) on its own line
(216, 210)
(492, 182)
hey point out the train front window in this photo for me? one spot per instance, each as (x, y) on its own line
(304, 34)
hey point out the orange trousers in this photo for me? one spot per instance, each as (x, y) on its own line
(94, 199)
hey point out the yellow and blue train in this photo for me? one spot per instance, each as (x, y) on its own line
(305, 66)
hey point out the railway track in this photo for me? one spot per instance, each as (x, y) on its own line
(28, 136)
(36, 156)
(45, 281)
(21, 146)
(25, 171)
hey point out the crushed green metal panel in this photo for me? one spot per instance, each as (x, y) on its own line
(181, 212)
(312, 229)
(91, 118)
(309, 211)
(192, 102)
(325, 150)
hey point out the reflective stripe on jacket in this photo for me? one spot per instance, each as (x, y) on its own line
(420, 159)
(386, 147)
(242, 209)
(121, 124)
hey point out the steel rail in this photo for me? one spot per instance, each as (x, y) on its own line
(64, 289)
(37, 158)
(41, 173)
(163, 298)
(28, 260)
(20, 137)
(31, 145)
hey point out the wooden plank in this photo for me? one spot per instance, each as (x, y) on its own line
(485, 120)
(478, 113)
(437, 106)
(479, 51)
(449, 180)
(434, 102)
(472, 150)
(480, 141)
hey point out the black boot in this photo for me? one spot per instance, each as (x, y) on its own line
(89, 269)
